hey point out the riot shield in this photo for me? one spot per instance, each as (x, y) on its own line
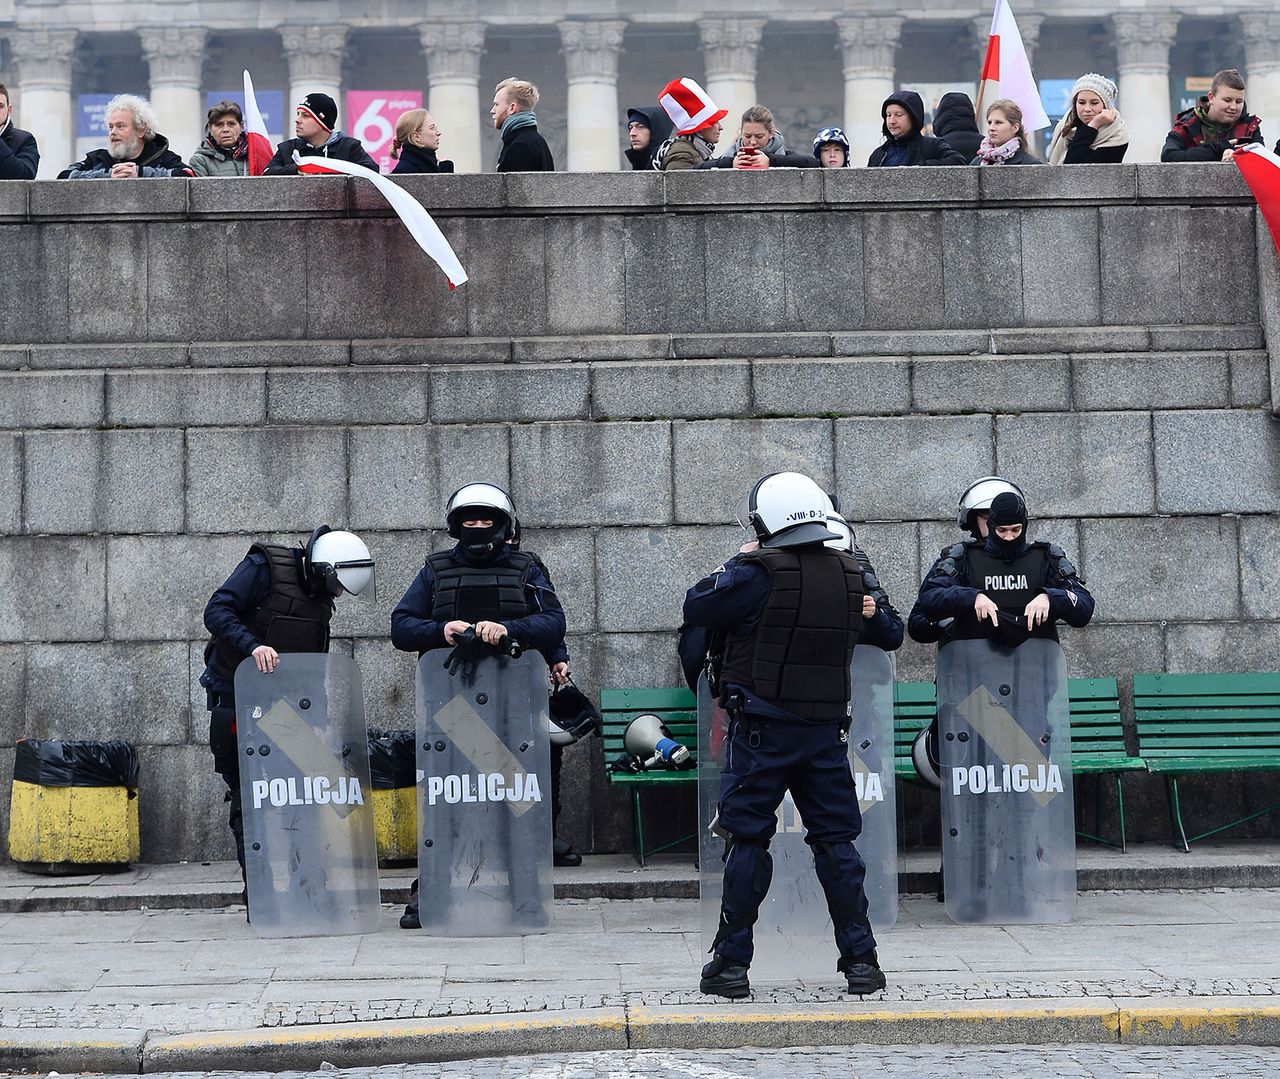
(794, 939)
(484, 799)
(1008, 818)
(311, 858)
(871, 757)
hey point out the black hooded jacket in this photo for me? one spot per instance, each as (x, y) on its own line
(660, 129)
(956, 121)
(19, 155)
(154, 159)
(920, 149)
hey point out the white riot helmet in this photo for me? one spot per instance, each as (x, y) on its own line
(341, 562)
(787, 509)
(481, 500)
(843, 540)
(979, 496)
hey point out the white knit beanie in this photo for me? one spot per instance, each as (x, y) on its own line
(1100, 85)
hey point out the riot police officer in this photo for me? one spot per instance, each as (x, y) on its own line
(277, 600)
(481, 583)
(1003, 587)
(789, 614)
(971, 516)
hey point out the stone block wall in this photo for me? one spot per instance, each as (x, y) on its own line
(185, 365)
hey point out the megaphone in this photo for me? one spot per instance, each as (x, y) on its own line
(648, 740)
(924, 755)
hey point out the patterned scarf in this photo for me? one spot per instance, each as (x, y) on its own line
(997, 155)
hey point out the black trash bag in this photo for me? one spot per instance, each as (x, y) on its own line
(392, 763)
(76, 764)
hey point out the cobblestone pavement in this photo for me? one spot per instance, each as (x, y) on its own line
(185, 971)
(819, 1062)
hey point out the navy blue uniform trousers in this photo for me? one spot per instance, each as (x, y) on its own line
(764, 759)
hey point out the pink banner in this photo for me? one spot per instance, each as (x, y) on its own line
(371, 118)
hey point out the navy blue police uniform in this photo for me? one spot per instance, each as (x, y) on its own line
(789, 619)
(267, 600)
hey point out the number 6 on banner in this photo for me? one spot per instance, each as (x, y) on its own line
(372, 128)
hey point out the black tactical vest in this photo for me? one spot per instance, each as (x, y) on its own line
(1009, 585)
(466, 593)
(797, 655)
(291, 619)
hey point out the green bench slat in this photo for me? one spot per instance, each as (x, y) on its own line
(648, 700)
(1225, 683)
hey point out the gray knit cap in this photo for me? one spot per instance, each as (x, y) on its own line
(1100, 85)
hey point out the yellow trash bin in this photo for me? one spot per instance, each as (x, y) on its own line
(74, 806)
(393, 774)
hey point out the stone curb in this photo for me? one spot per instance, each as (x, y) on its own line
(648, 886)
(1229, 1021)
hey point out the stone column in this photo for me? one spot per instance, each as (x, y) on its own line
(591, 48)
(869, 43)
(453, 90)
(1262, 60)
(729, 49)
(1142, 54)
(45, 105)
(175, 55)
(315, 55)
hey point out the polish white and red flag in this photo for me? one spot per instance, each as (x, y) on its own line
(1006, 72)
(255, 131)
(1261, 171)
(413, 215)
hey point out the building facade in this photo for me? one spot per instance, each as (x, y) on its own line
(813, 63)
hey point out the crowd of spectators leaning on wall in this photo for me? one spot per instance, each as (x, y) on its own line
(682, 133)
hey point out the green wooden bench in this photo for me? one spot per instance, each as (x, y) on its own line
(678, 709)
(1097, 738)
(1196, 724)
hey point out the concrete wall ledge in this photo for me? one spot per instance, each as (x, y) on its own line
(535, 193)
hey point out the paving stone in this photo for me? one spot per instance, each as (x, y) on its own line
(1079, 463)
(75, 611)
(519, 394)
(680, 388)
(103, 481)
(906, 468)
(991, 383)
(717, 462)
(1137, 567)
(1217, 461)
(865, 386)
(592, 473)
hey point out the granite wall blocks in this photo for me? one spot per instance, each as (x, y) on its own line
(1147, 380)
(677, 388)
(1217, 461)
(256, 479)
(867, 386)
(104, 481)
(567, 474)
(586, 290)
(75, 610)
(519, 394)
(348, 395)
(52, 399)
(10, 482)
(1259, 557)
(952, 384)
(717, 462)
(186, 398)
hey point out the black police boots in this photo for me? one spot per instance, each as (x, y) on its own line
(409, 919)
(563, 854)
(723, 978)
(863, 973)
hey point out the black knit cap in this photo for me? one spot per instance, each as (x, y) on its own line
(323, 108)
(1007, 509)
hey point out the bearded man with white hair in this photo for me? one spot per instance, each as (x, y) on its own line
(134, 147)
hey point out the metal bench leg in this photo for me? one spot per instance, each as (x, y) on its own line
(1175, 812)
(1120, 811)
(637, 818)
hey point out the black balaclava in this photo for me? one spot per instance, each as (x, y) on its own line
(1006, 509)
(482, 543)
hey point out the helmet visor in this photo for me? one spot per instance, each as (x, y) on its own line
(358, 579)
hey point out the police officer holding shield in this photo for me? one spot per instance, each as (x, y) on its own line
(277, 600)
(479, 593)
(790, 613)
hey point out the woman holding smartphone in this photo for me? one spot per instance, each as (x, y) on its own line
(760, 146)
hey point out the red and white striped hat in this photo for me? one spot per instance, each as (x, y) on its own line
(689, 106)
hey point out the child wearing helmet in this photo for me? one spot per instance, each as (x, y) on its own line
(831, 148)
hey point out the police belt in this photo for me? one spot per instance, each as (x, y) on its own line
(751, 711)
